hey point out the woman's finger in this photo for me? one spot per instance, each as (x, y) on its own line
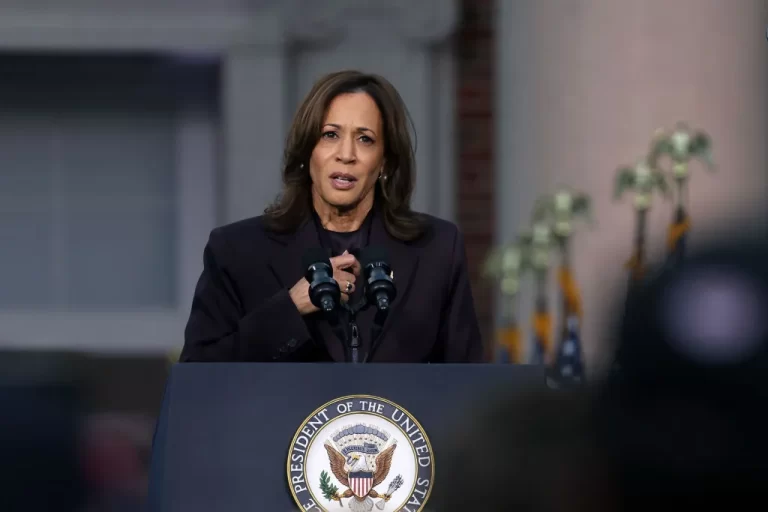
(346, 281)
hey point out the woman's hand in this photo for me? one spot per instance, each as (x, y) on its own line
(346, 269)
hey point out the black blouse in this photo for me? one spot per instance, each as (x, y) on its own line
(353, 241)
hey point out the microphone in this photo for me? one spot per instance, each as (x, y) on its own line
(324, 292)
(380, 287)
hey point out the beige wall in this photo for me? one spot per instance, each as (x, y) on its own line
(582, 86)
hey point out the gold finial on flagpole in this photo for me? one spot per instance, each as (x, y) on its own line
(681, 145)
(643, 180)
(505, 265)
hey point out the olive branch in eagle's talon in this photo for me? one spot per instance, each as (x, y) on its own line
(329, 490)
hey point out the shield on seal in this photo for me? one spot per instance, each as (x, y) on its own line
(361, 482)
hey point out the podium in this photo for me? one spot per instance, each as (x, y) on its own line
(231, 435)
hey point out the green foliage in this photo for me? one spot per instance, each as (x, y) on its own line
(329, 490)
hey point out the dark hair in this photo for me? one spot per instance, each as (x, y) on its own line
(392, 195)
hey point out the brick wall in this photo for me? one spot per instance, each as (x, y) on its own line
(475, 50)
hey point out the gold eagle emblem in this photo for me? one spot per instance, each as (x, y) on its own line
(356, 464)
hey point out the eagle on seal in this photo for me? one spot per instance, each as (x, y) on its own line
(342, 468)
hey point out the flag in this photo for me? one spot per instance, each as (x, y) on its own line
(509, 348)
(569, 364)
(508, 337)
(636, 263)
(676, 236)
(542, 332)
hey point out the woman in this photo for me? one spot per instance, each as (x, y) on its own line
(348, 177)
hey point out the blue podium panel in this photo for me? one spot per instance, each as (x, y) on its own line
(224, 433)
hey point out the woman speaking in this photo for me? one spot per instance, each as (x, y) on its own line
(348, 175)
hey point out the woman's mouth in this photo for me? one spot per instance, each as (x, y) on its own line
(341, 181)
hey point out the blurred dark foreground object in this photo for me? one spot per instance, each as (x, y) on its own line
(532, 452)
(706, 317)
(681, 423)
(683, 416)
(39, 429)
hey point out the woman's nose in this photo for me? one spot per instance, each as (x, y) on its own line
(346, 151)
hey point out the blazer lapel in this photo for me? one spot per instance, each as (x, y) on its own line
(285, 257)
(404, 261)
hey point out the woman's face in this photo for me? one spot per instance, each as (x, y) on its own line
(349, 156)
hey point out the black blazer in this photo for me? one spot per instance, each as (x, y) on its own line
(242, 311)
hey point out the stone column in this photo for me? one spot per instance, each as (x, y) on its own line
(254, 123)
(583, 85)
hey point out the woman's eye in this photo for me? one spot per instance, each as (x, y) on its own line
(329, 135)
(366, 139)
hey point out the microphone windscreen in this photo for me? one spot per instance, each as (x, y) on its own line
(373, 255)
(315, 255)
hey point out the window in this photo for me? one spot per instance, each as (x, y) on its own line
(87, 205)
(105, 162)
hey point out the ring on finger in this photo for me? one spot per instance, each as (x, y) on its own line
(349, 287)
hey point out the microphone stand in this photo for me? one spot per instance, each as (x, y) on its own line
(352, 342)
(333, 321)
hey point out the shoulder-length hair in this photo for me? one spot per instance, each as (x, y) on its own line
(392, 197)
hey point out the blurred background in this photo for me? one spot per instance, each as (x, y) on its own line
(128, 130)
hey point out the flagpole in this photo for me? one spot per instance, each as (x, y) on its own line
(565, 265)
(559, 210)
(643, 180)
(682, 145)
(676, 236)
(505, 266)
(637, 263)
(538, 245)
(509, 339)
(542, 322)
(568, 368)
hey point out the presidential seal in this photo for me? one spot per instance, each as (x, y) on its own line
(360, 452)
